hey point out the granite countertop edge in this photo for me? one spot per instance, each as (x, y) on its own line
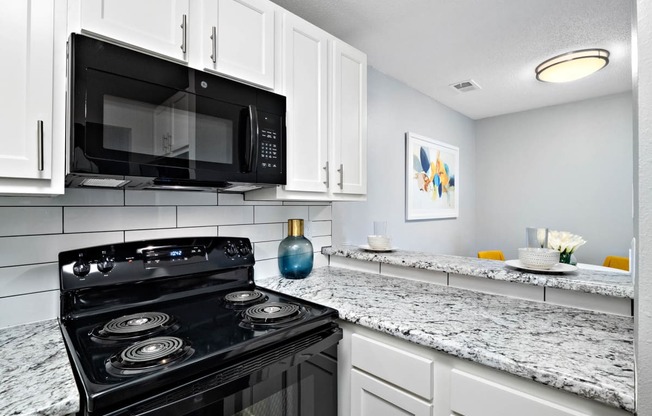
(38, 378)
(613, 384)
(493, 270)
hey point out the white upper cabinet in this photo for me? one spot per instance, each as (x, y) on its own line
(325, 81)
(26, 30)
(32, 128)
(305, 81)
(348, 123)
(239, 39)
(160, 26)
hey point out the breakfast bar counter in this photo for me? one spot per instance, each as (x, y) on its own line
(614, 283)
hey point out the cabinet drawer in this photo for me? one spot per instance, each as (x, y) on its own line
(372, 397)
(401, 368)
(493, 399)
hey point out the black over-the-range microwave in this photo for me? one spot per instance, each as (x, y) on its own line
(136, 121)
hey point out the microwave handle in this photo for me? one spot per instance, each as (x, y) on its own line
(252, 156)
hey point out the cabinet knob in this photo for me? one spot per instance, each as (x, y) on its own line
(184, 32)
(214, 45)
(327, 182)
(341, 171)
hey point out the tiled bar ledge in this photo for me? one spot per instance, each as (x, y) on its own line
(609, 292)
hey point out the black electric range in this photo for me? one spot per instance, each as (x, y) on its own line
(178, 326)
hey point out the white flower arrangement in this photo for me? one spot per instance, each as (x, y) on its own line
(564, 242)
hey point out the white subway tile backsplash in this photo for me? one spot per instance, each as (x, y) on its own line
(33, 230)
(256, 233)
(170, 233)
(218, 215)
(320, 228)
(15, 251)
(281, 213)
(320, 213)
(30, 220)
(29, 279)
(498, 287)
(590, 301)
(238, 199)
(266, 250)
(319, 242)
(266, 268)
(32, 307)
(150, 197)
(306, 202)
(84, 219)
(72, 197)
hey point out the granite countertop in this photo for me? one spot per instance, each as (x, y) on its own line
(587, 353)
(36, 377)
(616, 284)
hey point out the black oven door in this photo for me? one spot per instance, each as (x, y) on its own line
(298, 378)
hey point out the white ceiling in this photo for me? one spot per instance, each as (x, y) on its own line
(430, 44)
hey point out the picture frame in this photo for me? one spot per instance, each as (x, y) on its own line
(431, 178)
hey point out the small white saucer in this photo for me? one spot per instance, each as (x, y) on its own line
(557, 268)
(378, 250)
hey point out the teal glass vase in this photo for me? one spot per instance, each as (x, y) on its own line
(295, 253)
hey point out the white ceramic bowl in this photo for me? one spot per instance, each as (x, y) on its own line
(378, 242)
(538, 258)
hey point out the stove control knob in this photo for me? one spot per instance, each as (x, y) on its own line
(105, 265)
(230, 249)
(81, 268)
(244, 250)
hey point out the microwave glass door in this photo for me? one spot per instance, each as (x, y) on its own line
(132, 126)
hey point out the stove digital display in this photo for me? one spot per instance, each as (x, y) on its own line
(165, 256)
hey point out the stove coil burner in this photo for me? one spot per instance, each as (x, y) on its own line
(149, 355)
(244, 297)
(139, 325)
(271, 314)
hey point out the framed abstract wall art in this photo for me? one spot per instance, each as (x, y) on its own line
(431, 178)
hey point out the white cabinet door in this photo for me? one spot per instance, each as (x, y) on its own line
(26, 82)
(371, 397)
(305, 80)
(240, 39)
(348, 119)
(493, 399)
(157, 25)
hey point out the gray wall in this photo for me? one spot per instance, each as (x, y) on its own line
(393, 109)
(565, 167)
(643, 204)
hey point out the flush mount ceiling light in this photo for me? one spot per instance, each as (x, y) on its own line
(573, 65)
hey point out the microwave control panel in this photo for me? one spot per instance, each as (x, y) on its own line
(271, 139)
(270, 149)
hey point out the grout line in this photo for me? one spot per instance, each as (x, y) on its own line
(28, 293)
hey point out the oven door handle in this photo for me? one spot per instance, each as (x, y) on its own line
(252, 145)
(210, 389)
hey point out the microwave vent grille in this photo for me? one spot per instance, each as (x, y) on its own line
(104, 182)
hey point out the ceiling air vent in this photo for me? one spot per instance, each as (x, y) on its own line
(465, 86)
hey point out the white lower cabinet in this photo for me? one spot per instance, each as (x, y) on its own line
(383, 375)
(475, 396)
(372, 397)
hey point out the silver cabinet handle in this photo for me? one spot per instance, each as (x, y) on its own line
(341, 171)
(214, 46)
(326, 182)
(39, 144)
(184, 30)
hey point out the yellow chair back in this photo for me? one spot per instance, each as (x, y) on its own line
(616, 262)
(491, 254)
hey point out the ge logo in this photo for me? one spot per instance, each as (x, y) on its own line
(204, 84)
